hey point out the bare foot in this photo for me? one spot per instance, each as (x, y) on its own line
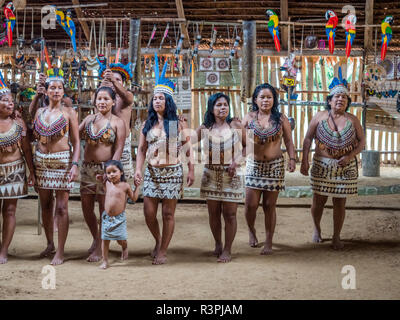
(48, 251)
(3, 258)
(92, 247)
(267, 250)
(253, 242)
(124, 254)
(57, 260)
(224, 257)
(154, 253)
(337, 244)
(104, 265)
(160, 259)
(316, 238)
(218, 249)
(95, 256)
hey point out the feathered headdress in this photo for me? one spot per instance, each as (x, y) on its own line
(3, 86)
(55, 74)
(338, 85)
(124, 70)
(163, 84)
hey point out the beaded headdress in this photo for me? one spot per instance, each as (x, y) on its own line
(55, 74)
(163, 85)
(338, 84)
(3, 86)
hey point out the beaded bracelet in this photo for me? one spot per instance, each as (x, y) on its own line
(75, 163)
(292, 159)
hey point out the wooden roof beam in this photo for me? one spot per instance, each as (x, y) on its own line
(79, 14)
(181, 14)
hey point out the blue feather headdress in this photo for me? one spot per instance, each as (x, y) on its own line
(125, 70)
(163, 85)
(338, 85)
(3, 86)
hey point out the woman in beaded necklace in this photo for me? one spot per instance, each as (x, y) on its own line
(265, 169)
(56, 165)
(339, 137)
(104, 134)
(222, 181)
(14, 151)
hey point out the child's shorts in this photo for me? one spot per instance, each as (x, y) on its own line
(113, 228)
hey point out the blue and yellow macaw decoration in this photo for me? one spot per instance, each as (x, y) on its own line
(10, 21)
(330, 28)
(386, 35)
(350, 26)
(273, 23)
(68, 25)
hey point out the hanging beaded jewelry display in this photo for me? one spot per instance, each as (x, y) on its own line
(45, 132)
(336, 143)
(11, 138)
(262, 135)
(105, 135)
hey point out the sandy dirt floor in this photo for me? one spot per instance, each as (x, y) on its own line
(298, 269)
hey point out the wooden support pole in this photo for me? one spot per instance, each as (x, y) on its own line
(369, 19)
(181, 15)
(83, 23)
(285, 29)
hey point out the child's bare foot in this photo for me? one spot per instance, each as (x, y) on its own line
(253, 242)
(124, 254)
(3, 258)
(95, 256)
(316, 238)
(57, 260)
(224, 257)
(104, 265)
(218, 249)
(48, 251)
(160, 259)
(337, 244)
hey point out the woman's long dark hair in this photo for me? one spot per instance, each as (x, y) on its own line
(169, 115)
(275, 114)
(209, 118)
(110, 92)
(329, 98)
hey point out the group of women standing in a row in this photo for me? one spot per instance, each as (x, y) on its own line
(338, 134)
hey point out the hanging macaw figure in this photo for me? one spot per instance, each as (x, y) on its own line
(273, 28)
(68, 25)
(386, 35)
(350, 26)
(330, 29)
(10, 21)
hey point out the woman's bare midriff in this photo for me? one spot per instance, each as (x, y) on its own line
(268, 151)
(98, 153)
(59, 145)
(6, 157)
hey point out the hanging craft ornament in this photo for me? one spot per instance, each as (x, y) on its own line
(68, 25)
(374, 75)
(153, 33)
(178, 49)
(162, 85)
(350, 26)
(3, 86)
(273, 23)
(386, 35)
(10, 21)
(213, 39)
(235, 48)
(165, 35)
(330, 29)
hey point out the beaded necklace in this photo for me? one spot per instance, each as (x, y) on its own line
(263, 135)
(45, 132)
(336, 143)
(214, 146)
(105, 135)
(10, 138)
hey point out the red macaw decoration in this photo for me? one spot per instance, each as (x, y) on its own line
(386, 35)
(330, 28)
(350, 26)
(10, 21)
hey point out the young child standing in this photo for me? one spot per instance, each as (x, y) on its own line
(113, 225)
